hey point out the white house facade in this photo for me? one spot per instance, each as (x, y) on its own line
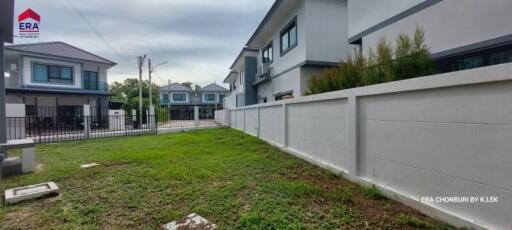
(295, 41)
(240, 79)
(298, 39)
(55, 75)
(460, 35)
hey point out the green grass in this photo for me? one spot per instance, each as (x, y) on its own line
(232, 179)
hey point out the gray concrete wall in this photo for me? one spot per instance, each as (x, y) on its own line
(444, 135)
(448, 24)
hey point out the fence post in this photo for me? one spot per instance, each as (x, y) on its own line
(258, 124)
(353, 136)
(285, 128)
(152, 120)
(147, 119)
(227, 119)
(87, 120)
(244, 119)
(196, 116)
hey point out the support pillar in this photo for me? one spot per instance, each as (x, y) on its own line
(87, 120)
(3, 119)
(285, 127)
(152, 120)
(353, 136)
(196, 116)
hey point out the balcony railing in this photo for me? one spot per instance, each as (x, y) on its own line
(98, 86)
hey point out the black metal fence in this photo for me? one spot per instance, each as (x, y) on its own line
(50, 124)
(68, 123)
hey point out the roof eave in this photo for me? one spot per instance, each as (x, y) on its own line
(265, 20)
(111, 64)
(229, 75)
(245, 49)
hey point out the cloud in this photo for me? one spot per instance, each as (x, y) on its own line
(198, 38)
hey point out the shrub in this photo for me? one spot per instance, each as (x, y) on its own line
(409, 58)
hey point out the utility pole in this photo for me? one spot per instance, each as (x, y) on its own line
(141, 63)
(150, 93)
(170, 96)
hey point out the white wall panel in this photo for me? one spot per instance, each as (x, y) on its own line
(319, 130)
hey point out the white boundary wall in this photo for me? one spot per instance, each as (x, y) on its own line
(446, 135)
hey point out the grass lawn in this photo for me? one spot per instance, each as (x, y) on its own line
(232, 179)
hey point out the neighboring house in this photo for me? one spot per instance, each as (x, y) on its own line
(295, 41)
(181, 100)
(298, 39)
(461, 35)
(55, 78)
(240, 79)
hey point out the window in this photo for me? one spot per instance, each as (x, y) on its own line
(478, 58)
(282, 95)
(289, 37)
(468, 63)
(221, 98)
(268, 54)
(90, 80)
(166, 98)
(210, 97)
(180, 97)
(52, 74)
(501, 57)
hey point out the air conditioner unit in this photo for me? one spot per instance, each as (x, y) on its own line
(264, 70)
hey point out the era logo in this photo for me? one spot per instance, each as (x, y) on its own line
(29, 24)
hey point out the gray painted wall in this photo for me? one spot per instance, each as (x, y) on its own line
(251, 69)
(440, 135)
(450, 24)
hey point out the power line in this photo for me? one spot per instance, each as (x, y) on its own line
(82, 16)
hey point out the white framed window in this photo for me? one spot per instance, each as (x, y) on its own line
(209, 97)
(179, 97)
(289, 37)
(54, 74)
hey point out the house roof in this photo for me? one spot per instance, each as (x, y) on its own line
(176, 87)
(231, 75)
(59, 49)
(213, 88)
(265, 20)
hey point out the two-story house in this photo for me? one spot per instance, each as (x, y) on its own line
(181, 100)
(240, 78)
(55, 78)
(460, 35)
(295, 41)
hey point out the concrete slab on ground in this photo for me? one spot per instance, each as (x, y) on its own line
(15, 195)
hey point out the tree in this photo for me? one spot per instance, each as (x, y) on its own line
(128, 93)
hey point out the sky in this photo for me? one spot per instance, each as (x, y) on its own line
(198, 38)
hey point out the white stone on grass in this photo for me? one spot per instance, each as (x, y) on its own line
(89, 165)
(192, 221)
(15, 195)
